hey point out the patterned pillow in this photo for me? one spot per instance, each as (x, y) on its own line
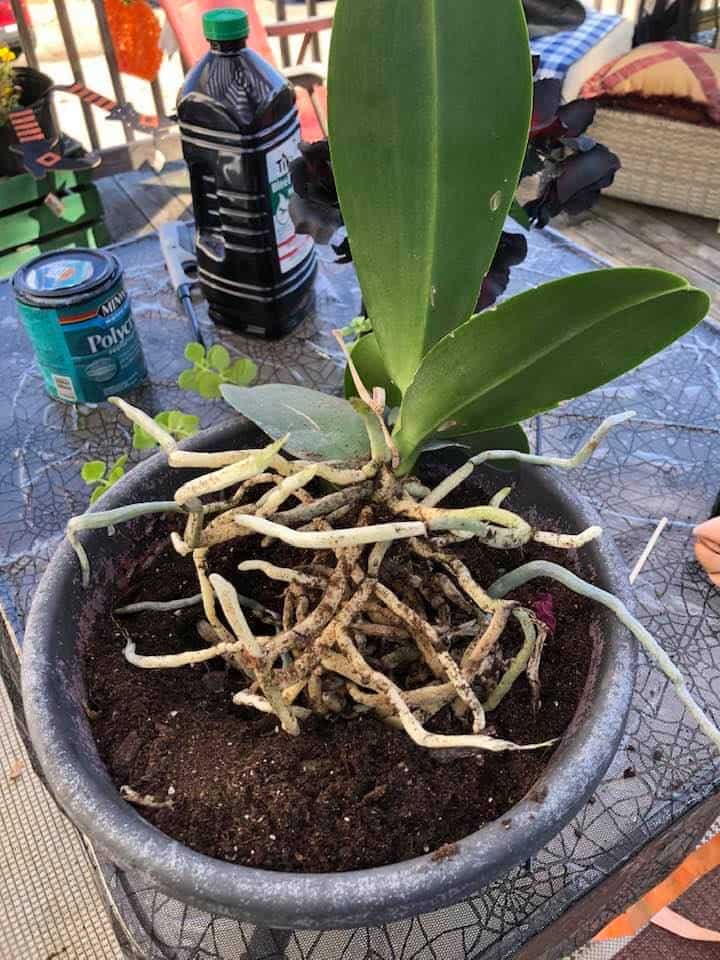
(685, 71)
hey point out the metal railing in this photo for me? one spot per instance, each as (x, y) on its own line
(286, 31)
(137, 147)
(117, 158)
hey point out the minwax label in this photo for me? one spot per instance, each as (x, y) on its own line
(292, 247)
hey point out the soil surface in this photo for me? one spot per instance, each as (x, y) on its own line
(345, 794)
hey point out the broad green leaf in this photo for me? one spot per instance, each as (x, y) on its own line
(218, 357)
(321, 427)
(194, 352)
(208, 384)
(369, 364)
(429, 109)
(120, 463)
(92, 471)
(550, 344)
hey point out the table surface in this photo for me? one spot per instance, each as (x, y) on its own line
(665, 463)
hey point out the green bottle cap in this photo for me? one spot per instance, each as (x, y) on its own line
(226, 23)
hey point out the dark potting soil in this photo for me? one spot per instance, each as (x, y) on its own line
(345, 794)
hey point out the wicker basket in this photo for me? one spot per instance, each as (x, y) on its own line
(665, 163)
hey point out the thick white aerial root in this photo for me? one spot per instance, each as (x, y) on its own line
(542, 568)
(331, 539)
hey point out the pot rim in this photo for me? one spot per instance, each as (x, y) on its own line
(319, 900)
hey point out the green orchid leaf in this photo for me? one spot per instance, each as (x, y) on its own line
(218, 357)
(92, 471)
(368, 361)
(120, 463)
(208, 384)
(429, 109)
(518, 215)
(194, 352)
(241, 372)
(321, 427)
(98, 492)
(504, 438)
(553, 343)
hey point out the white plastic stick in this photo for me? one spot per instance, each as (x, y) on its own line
(651, 544)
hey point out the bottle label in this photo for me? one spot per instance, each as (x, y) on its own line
(292, 247)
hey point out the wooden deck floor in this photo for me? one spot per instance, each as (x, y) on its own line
(624, 234)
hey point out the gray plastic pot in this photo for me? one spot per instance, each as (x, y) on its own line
(53, 695)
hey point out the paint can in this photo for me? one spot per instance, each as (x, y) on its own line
(76, 311)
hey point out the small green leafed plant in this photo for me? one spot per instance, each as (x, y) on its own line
(100, 477)
(211, 369)
(178, 424)
(385, 615)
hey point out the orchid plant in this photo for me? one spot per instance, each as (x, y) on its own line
(384, 613)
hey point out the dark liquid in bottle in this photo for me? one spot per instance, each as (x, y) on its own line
(240, 130)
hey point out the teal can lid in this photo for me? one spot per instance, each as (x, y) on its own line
(226, 23)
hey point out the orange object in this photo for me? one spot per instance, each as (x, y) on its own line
(185, 18)
(682, 927)
(693, 867)
(135, 33)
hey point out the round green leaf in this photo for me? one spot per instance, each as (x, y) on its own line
(188, 424)
(242, 372)
(194, 352)
(188, 380)
(218, 357)
(208, 385)
(172, 419)
(164, 418)
(92, 471)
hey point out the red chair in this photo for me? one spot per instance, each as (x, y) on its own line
(185, 18)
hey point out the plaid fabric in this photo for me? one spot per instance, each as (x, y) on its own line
(559, 52)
